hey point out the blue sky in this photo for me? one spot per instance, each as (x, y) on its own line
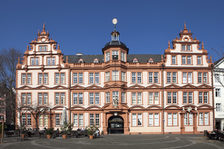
(84, 26)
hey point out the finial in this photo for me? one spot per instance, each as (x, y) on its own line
(185, 25)
(43, 27)
(66, 59)
(18, 60)
(58, 47)
(168, 44)
(202, 45)
(27, 48)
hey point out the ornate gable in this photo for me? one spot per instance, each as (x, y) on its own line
(153, 86)
(172, 86)
(93, 87)
(136, 86)
(189, 86)
(205, 86)
(77, 87)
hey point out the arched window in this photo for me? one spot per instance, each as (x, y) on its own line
(80, 60)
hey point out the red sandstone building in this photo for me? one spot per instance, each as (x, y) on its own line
(118, 91)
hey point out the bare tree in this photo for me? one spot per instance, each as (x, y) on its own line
(8, 62)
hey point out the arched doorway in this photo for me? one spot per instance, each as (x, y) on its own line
(115, 125)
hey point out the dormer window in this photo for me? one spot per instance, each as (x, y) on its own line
(115, 55)
(96, 61)
(186, 47)
(107, 56)
(80, 61)
(123, 58)
(42, 48)
(150, 60)
(135, 60)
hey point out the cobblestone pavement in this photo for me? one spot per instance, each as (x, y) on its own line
(118, 141)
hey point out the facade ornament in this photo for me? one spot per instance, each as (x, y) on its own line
(168, 44)
(202, 45)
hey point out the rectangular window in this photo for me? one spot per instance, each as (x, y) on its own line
(156, 117)
(80, 77)
(28, 98)
(133, 77)
(173, 60)
(51, 61)
(150, 97)
(80, 120)
(206, 118)
(57, 119)
(217, 92)
(123, 97)
(183, 47)
(189, 47)
(62, 98)
(183, 60)
(199, 60)
(184, 97)
(75, 120)
(133, 98)
(91, 119)
(156, 98)
(175, 119)
(134, 119)
(45, 78)
(199, 77)
(28, 78)
(217, 78)
(107, 97)
(97, 98)
(115, 95)
(107, 76)
(97, 119)
(123, 76)
(170, 121)
(40, 78)
(189, 77)
(23, 99)
(218, 107)
(174, 77)
(90, 78)
(29, 119)
(45, 98)
(23, 119)
(190, 97)
(56, 98)
(150, 77)
(91, 98)
(139, 96)
(201, 119)
(151, 119)
(156, 80)
(115, 55)
(205, 77)
(168, 77)
(42, 48)
(97, 78)
(205, 97)
(75, 78)
(40, 98)
(200, 100)
(174, 97)
(34, 61)
(57, 78)
(188, 59)
(62, 78)
(107, 56)
(139, 77)
(139, 119)
(184, 77)
(123, 58)
(169, 97)
(23, 78)
(115, 75)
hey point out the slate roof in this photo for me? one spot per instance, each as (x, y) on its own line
(142, 58)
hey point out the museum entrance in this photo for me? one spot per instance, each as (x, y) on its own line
(115, 125)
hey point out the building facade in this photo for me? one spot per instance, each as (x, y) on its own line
(218, 79)
(118, 91)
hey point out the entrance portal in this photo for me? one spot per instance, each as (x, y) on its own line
(115, 125)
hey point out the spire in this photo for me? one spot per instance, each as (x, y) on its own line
(168, 44)
(185, 25)
(43, 28)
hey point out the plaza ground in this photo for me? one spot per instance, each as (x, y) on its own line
(117, 141)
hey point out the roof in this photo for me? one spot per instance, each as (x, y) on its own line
(142, 58)
(115, 43)
(216, 62)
